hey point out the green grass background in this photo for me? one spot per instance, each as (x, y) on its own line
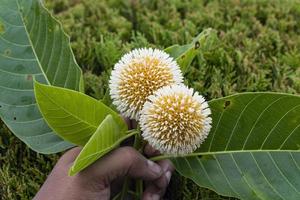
(258, 49)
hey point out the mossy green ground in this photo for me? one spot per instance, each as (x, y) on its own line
(258, 49)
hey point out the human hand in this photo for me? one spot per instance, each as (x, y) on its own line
(96, 181)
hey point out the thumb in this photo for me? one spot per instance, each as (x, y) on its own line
(121, 162)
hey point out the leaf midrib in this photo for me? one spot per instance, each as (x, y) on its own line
(166, 156)
(67, 111)
(30, 42)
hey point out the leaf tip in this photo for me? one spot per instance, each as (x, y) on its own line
(71, 171)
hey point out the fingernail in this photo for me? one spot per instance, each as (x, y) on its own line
(168, 175)
(155, 197)
(154, 167)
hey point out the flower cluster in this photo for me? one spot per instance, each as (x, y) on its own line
(138, 75)
(146, 85)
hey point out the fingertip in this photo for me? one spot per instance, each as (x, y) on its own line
(157, 187)
(70, 155)
(166, 165)
(131, 162)
(168, 175)
(163, 181)
(151, 193)
(155, 168)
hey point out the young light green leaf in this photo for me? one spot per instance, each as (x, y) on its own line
(107, 137)
(74, 116)
(185, 54)
(32, 44)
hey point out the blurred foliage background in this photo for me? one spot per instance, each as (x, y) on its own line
(257, 49)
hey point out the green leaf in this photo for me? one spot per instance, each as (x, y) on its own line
(257, 175)
(107, 137)
(73, 115)
(254, 122)
(32, 45)
(252, 151)
(185, 54)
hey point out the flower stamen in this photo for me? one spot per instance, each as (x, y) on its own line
(137, 75)
(175, 120)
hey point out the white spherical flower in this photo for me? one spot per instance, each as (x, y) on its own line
(175, 120)
(137, 75)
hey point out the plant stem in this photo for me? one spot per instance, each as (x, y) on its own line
(132, 193)
(124, 189)
(139, 188)
(163, 157)
(117, 196)
(138, 145)
(132, 131)
(137, 139)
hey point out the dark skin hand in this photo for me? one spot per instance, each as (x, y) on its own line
(96, 181)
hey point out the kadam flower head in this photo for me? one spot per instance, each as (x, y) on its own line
(137, 75)
(175, 120)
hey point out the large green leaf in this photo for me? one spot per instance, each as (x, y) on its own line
(73, 115)
(107, 137)
(252, 151)
(254, 122)
(32, 44)
(257, 175)
(185, 54)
